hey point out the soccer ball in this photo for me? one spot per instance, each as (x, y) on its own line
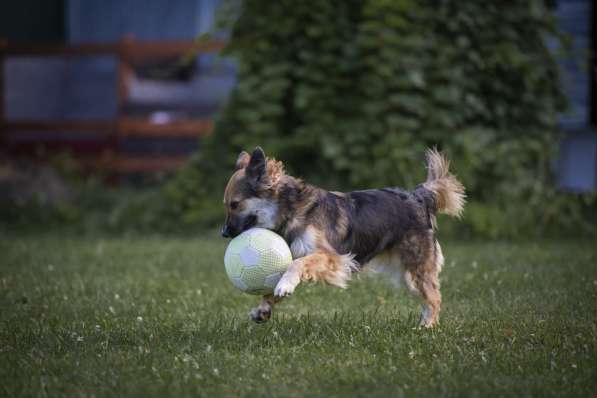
(256, 260)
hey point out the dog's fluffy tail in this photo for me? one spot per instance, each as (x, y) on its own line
(448, 191)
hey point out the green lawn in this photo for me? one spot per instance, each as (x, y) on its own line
(157, 316)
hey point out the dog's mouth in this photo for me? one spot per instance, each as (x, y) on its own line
(249, 223)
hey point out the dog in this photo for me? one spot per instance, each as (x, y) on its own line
(333, 234)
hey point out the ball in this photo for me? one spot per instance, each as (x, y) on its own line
(256, 259)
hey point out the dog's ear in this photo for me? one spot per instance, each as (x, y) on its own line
(257, 166)
(242, 161)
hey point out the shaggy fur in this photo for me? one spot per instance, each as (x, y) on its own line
(333, 234)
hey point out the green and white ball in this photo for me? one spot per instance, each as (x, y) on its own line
(256, 260)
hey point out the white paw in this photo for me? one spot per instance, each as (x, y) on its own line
(254, 313)
(285, 287)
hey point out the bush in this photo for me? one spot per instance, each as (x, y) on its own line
(350, 93)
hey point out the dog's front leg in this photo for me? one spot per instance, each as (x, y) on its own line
(319, 266)
(290, 279)
(263, 312)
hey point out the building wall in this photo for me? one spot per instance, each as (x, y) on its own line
(577, 164)
(33, 20)
(46, 88)
(109, 20)
(574, 19)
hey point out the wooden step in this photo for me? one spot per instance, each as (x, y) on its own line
(129, 164)
(127, 126)
(83, 126)
(135, 50)
(139, 127)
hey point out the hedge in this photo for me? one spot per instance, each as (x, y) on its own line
(350, 93)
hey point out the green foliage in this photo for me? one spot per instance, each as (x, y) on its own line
(158, 317)
(350, 93)
(93, 208)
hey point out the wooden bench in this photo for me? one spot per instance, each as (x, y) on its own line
(129, 53)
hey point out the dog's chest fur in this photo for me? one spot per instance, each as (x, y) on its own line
(304, 243)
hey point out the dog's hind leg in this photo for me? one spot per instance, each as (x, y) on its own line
(263, 312)
(426, 288)
(328, 267)
(422, 263)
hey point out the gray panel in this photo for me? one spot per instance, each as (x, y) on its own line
(574, 19)
(109, 20)
(578, 162)
(91, 90)
(35, 88)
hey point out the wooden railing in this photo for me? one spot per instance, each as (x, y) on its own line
(128, 52)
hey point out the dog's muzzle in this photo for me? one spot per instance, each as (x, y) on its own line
(226, 232)
(231, 230)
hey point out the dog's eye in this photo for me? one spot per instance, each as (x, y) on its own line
(234, 205)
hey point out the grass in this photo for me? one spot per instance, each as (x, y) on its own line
(157, 316)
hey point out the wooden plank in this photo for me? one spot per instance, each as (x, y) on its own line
(137, 127)
(124, 73)
(137, 50)
(140, 51)
(47, 146)
(179, 128)
(83, 126)
(73, 50)
(128, 164)
(146, 164)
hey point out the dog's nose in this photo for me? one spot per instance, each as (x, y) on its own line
(226, 232)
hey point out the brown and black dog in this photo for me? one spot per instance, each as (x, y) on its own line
(333, 234)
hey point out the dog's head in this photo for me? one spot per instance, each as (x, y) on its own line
(250, 196)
